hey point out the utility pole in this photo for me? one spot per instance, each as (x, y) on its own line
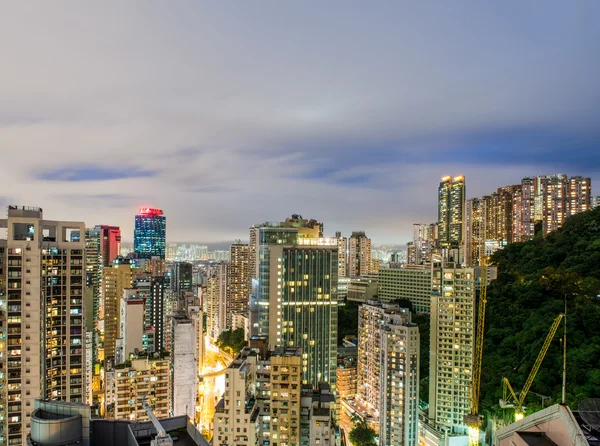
(564, 382)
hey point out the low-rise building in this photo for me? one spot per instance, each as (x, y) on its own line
(363, 288)
(142, 378)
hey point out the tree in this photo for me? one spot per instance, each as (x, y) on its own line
(362, 435)
(231, 341)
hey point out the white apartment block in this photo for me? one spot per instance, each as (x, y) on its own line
(452, 342)
(388, 370)
(399, 381)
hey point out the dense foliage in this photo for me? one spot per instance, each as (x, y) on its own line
(362, 435)
(347, 320)
(533, 280)
(231, 341)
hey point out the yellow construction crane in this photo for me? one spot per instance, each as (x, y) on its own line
(473, 419)
(510, 399)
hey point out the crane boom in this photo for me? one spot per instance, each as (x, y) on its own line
(509, 393)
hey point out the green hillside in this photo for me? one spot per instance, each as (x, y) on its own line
(533, 278)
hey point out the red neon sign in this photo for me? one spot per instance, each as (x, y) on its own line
(150, 211)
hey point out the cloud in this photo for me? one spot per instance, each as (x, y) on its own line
(93, 173)
(227, 115)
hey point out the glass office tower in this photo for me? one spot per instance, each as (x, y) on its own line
(149, 235)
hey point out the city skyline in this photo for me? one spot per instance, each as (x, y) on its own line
(200, 109)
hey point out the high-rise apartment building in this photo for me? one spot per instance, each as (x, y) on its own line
(423, 244)
(218, 314)
(359, 254)
(451, 208)
(475, 233)
(594, 202)
(511, 213)
(93, 296)
(342, 255)
(579, 195)
(149, 235)
(286, 385)
(239, 278)
(115, 280)
(42, 318)
(452, 342)
(157, 311)
(388, 370)
(411, 282)
(399, 381)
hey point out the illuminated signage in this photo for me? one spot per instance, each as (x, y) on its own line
(150, 211)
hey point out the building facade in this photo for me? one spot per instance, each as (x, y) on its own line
(115, 280)
(411, 282)
(451, 209)
(146, 377)
(342, 255)
(217, 300)
(359, 254)
(303, 304)
(42, 284)
(149, 235)
(239, 278)
(510, 213)
(399, 381)
(184, 379)
(452, 343)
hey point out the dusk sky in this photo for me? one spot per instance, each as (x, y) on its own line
(226, 114)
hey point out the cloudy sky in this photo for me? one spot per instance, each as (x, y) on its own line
(226, 114)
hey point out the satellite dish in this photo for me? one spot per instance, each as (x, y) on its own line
(589, 410)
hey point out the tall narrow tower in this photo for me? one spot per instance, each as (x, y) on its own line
(451, 211)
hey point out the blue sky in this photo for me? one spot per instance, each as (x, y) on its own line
(227, 114)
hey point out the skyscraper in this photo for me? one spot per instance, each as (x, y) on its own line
(359, 254)
(218, 314)
(451, 208)
(452, 342)
(303, 311)
(110, 243)
(239, 274)
(388, 370)
(399, 381)
(149, 235)
(42, 317)
(93, 278)
(295, 300)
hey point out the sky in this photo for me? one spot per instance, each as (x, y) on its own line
(227, 114)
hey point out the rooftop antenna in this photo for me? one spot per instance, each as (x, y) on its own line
(564, 381)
